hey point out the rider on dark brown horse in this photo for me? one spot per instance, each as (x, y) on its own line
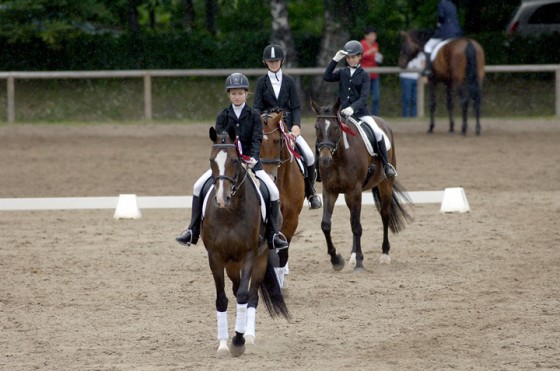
(353, 90)
(248, 128)
(278, 90)
(447, 27)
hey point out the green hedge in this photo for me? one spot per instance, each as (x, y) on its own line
(182, 50)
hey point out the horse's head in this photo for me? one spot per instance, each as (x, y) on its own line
(225, 165)
(409, 48)
(327, 130)
(272, 143)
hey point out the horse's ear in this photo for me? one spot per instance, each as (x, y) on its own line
(315, 106)
(231, 133)
(213, 135)
(336, 106)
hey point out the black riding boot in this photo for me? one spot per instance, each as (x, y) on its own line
(192, 232)
(276, 239)
(428, 67)
(389, 169)
(312, 197)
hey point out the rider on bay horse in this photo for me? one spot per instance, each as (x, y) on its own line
(353, 90)
(278, 90)
(447, 27)
(248, 128)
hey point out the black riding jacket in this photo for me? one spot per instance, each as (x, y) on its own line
(352, 90)
(247, 127)
(287, 100)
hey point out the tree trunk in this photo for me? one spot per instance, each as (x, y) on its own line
(133, 23)
(211, 11)
(188, 15)
(335, 35)
(281, 31)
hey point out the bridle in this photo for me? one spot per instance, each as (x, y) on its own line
(235, 183)
(332, 146)
(279, 161)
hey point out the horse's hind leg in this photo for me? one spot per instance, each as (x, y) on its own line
(385, 195)
(258, 272)
(329, 199)
(450, 107)
(476, 96)
(221, 305)
(432, 86)
(464, 107)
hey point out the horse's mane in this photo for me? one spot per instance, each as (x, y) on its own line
(420, 37)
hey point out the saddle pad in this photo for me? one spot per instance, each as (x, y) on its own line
(438, 47)
(256, 188)
(366, 139)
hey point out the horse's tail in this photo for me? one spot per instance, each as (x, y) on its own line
(399, 215)
(271, 293)
(471, 73)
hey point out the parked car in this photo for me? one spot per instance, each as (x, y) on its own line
(535, 17)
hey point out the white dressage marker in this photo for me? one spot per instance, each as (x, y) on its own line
(454, 201)
(127, 207)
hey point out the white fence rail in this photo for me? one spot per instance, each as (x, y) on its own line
(147, 75)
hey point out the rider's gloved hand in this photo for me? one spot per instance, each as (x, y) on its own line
(339, 55)
(251, 163)
(348, 111)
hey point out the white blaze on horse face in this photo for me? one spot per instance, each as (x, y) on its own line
(328, 124)
(220, 160)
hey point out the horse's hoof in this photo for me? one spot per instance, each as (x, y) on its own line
(237, 351)
(359, 270)
(340, 265)
(249, 340)
(223, 350)
(384, 259)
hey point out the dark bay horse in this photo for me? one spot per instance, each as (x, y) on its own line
(343, 166)
(233, 234)
(459, 65)
(280, 163)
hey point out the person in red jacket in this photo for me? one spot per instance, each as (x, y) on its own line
(371, 58)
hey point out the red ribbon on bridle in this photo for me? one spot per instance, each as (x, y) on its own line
(344, 127)
(288, 138)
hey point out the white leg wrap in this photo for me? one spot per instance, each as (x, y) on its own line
(241, 321)
(286, 269)
(280, 276)
(251, 320)
(222, 326)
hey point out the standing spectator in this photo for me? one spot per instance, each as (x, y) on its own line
(409, 83)
(371, 58)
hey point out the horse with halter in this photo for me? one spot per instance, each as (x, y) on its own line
(233, 234)
(459, 64)
(279, 161)
(344, 162)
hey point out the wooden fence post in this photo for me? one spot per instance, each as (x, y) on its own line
(147, 97)
(557, 95)
(420, 96)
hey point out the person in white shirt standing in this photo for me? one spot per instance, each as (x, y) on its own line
(409, 83)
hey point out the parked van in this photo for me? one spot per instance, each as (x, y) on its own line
(535, 17)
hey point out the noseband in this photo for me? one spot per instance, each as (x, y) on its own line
(235, 184)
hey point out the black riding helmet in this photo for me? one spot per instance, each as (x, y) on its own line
(273, 52)
(237, 81)
(353, 47)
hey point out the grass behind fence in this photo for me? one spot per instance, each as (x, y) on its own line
(195, 99)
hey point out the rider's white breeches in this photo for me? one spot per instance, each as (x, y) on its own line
(307, 152)
(261, 174)
(197, 188)
(373, 125)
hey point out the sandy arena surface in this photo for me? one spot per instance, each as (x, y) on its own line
(80, 290)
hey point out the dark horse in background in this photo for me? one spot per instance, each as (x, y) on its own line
(233, 234)
(344, 162)
(459, 64)
(279, 162)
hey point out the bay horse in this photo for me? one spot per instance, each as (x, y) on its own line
(343, 165)
(279, 161)
(233, 234)
(459, 65)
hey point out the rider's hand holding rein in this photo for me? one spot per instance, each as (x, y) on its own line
(251, 162)
(296, 130)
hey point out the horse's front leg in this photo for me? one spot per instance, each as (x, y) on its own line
(242, 295)
(450, 106)
(258, 273)
(329, 200)
(354, 203)
(221, 305)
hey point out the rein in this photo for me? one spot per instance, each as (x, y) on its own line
(285, 138)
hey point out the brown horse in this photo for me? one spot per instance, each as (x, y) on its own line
(279, 162)
(459, 64)
(233, 234)
(343, 165)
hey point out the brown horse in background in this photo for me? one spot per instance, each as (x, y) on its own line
(343, 165)
(459, 64)
(233, 234)
(279, 162)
